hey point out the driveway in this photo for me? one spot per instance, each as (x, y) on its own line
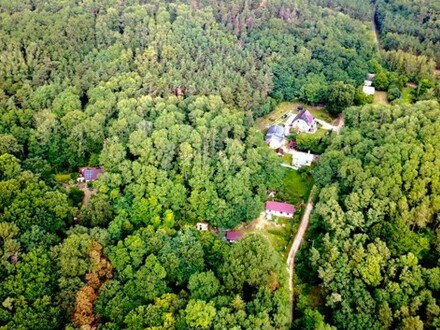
(325, 125)
(295, 246)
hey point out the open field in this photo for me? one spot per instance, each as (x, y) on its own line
(281, 231)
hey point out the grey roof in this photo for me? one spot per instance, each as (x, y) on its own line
(370, 76)
(275, 134)
(275, 130)
(274, 138)
(306, 116)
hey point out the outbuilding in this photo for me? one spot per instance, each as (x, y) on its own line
(202, 226)
(233, 236)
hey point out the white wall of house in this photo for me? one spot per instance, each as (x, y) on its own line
(202, 226)
(270, 213)
(300, 159)
(368, 90)
(302, 126)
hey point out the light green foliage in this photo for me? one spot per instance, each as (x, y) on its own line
(163, 95)
(203, 285)
(199, 314)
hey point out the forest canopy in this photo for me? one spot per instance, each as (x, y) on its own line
(376, 227)
(163, 97)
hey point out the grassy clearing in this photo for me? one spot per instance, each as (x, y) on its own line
(62, 177)
(287, 159)
(274, 117)
(280, 234)
(296, 187)
(380, 98)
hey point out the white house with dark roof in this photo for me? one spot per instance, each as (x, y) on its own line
(275, 136)
(304, 122)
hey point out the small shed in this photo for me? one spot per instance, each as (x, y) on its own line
(233, 236)
(202, 226)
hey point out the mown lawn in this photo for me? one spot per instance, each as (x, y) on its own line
(296, 187)
(287, 159)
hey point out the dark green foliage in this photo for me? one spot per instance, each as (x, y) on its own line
(76, 196)
(411, 26)
(394, 93)
(340, 96)
(97, 213)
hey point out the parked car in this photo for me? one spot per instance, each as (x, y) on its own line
(284, 116)
(299, 108)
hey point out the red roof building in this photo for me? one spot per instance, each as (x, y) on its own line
(232, 236)
(279, 209)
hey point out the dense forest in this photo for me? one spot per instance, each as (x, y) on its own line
(410, 26)
(376, 234)
(163, 96)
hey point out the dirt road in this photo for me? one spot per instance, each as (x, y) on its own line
(294, 249)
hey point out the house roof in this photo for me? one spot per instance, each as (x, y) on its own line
(280, 207)
(306, 116)
(275, 130)
(370, 76)
(233, 235)
(91, 173)
(302, 156)
(275, 136)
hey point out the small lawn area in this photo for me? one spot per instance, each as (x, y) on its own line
(287, 159)
(62, 177)
(296, 187)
